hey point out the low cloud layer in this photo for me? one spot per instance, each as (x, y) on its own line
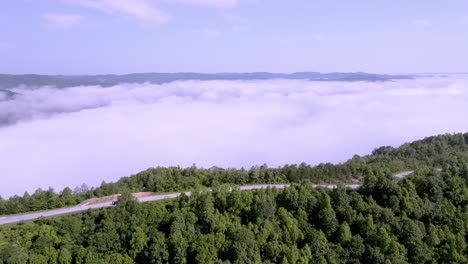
(64, 137)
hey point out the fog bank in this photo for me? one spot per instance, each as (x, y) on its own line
(65, 137)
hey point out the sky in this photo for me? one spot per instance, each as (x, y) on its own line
(66, 137)
(126, 36)
(89, 134)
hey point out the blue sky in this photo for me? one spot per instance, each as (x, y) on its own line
(124, 36)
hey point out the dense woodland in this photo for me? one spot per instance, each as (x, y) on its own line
(420, 219)
(435, 152)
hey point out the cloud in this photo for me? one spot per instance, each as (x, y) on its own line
(422, 23)
(64, 137)
(62, 20)
(143, 10)
(209, 3)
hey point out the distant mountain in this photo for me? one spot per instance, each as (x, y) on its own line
(61, 81)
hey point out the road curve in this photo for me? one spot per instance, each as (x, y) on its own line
(10, 219)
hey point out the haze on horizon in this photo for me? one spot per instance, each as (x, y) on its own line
(130, 36)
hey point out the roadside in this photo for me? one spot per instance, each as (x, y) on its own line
(107, 201)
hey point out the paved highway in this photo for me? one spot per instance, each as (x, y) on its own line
(35, 215)
(403, 174)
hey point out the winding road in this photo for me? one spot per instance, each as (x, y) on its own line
(10, 219)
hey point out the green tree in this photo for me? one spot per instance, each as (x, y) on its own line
(64, 256)
(138, 242)
(344, 233)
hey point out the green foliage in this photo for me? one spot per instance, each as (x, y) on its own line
(432, 152)
(295, 225)
(344, 233)
(419, 219)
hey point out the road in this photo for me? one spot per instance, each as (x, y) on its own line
(403, 174)
(35, 215)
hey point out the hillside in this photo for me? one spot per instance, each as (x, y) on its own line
(420, 219)
(436, 152)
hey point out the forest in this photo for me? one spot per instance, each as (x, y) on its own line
(436, 152)
(419, 219)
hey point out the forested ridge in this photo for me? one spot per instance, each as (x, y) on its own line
(435, 152)
(420, 219)
(8, 81)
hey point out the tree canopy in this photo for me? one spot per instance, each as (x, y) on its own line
(435, 152)
(419, 219)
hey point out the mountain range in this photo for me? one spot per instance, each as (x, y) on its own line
(61, 81)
